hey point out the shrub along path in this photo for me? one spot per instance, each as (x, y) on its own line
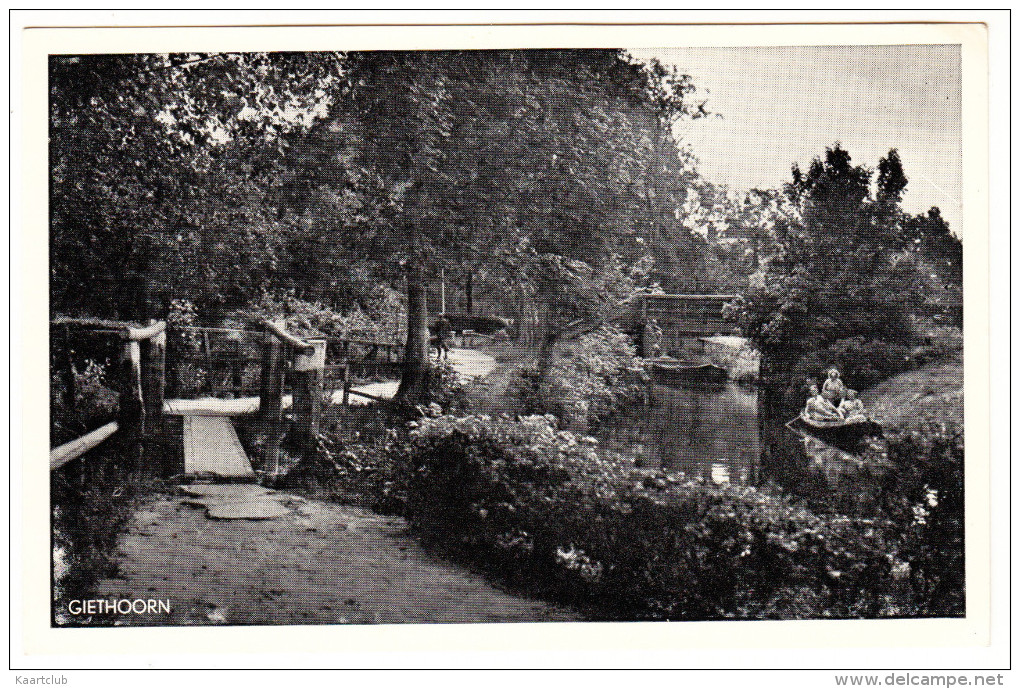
(247, 555)
(320, 563)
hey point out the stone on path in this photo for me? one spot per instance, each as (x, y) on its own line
(224, 490)
(238, 501)
(255, 509)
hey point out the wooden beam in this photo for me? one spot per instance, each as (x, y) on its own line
(67, 452)
(692, 297)
(351, 391)
(92, 323)
(148, 332)
(285, 337)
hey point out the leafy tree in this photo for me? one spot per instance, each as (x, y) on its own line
(931, 244)
(503, 162)
(160, 168)
(836, 270)
(216, 178)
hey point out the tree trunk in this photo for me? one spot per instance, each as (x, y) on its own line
(414, 383)
(469, 293)
(545, 352)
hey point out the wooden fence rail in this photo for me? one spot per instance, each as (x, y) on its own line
(59, 456)
(140, 378)
(140, 384)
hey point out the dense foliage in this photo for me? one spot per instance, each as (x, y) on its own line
(379, 321)
(844, 279)
(219, 178)
(163, 175)
(546, 510)
(530, 167)
(589, 378)
(91, 500)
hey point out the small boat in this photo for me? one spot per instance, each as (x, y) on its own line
(851, 430)
(668, 367)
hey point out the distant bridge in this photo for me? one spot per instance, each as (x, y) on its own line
(684, 317)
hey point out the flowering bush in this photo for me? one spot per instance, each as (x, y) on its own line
(545, 508)
(590, 378)
(924, 492)
(446, 390)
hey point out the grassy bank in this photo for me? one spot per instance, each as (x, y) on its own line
(911, 399)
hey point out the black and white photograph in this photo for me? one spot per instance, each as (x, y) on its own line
(549, 334)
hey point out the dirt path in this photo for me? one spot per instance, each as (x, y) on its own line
(470, 365)
(321, 563)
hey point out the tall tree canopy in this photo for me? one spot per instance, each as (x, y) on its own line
(215, 178)
(509, 161)
(841, 265)
(162, 168)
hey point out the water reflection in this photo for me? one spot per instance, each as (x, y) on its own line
(726, 433)
(703, 430)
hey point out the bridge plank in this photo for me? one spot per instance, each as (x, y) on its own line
(211, 446)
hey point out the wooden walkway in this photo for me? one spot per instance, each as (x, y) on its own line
(211, 447)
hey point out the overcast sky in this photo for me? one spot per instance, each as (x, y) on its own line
(781, 105)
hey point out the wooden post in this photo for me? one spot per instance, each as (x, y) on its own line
(271, 403)
(153, 392)
(308, 385)
(131, 407)
(210, 383)
(154, 380)
(442, 290)
(347, 385)
(70, 383)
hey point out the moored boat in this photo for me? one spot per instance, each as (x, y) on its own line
(669, 368)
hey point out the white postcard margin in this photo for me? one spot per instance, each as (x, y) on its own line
(707, 641)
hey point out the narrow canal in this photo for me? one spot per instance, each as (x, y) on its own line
(704, 431)
(721, 433)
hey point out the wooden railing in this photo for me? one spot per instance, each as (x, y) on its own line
(280, 357)
(140, 384)
(67, 452)
(308, 360)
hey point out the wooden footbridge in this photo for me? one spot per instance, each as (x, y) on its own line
(672, 319)
(214, 374)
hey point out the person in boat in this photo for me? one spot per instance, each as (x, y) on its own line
(851, 408)
(818, 408)
(833, 389)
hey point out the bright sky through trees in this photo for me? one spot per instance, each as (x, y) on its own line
(781, 105)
